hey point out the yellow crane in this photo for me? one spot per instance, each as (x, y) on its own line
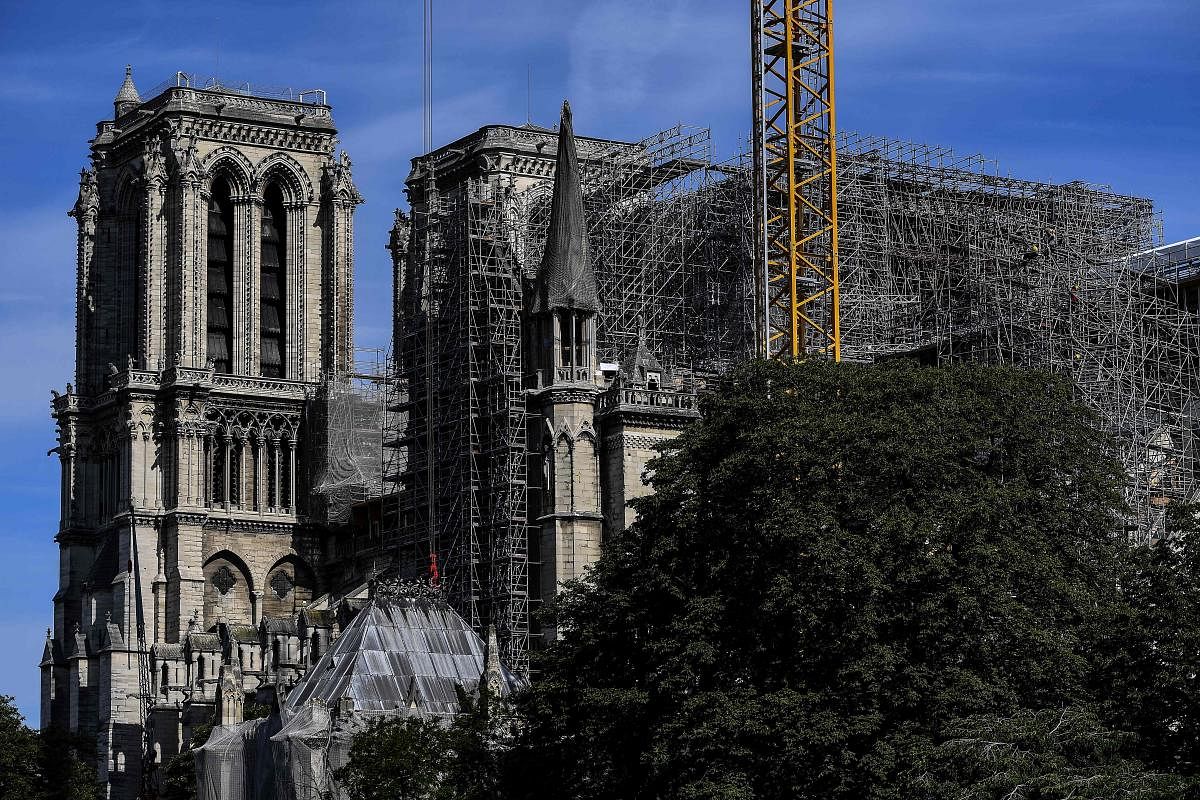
(795, 173)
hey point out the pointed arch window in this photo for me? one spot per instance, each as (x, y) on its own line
(272, 309)
(220, 278)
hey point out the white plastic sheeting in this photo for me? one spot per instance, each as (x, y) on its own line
(405, 654)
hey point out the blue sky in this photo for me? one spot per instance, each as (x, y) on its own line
(1106, 91)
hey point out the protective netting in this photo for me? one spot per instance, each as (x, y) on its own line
(229, 763)
(345, 430)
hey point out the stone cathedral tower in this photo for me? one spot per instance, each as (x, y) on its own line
(214, 291)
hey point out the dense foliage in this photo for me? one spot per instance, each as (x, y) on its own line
(420, 759)
(41, 765)
(841, 569)
(875, 582)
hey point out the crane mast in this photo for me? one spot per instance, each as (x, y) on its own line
(795, 174)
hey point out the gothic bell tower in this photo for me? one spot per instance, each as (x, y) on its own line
(213, 292)
(562, 313)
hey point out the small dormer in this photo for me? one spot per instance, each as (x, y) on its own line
(642, 369)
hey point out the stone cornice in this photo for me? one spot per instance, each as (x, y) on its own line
(146, 385)
(228, 103)
(640, 440)
(521, 150)
(648, 417)
(251, 522)
(187, 516)
(571, 515)
(77, 536)
(565, 393)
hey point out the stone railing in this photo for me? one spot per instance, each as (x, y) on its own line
(646, 398)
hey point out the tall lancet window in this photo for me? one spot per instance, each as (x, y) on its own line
(271, 337)
(220, 278)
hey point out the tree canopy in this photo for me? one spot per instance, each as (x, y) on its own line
(875, 582)
(843, 568)
(42, 765)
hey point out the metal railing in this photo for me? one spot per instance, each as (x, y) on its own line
(212, 83)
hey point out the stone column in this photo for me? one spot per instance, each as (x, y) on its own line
(151, 319)
(295, 282)
(247, 224)
(292, 502)
(227, 443)
(275, 475)
(338, 269)
(186, 279)
(85, 212)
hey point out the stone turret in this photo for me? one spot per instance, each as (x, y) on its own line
(127, 97)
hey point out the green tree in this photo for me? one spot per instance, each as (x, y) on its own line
(1041, 755)
(410, 758)
(397, 759)
(839, 566)
(49, 765)
(67, 766)
(20, 770)
(1149, 673)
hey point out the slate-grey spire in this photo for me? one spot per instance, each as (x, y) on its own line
(127, 96)
(565, 278)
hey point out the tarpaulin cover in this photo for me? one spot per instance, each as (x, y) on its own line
(400, 656)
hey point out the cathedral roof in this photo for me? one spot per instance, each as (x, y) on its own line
(128, 92)
(204, 642)
(281, 625)
(317, 618)
(565, 278)
(407, 650)
(244, 634)
(167, 651)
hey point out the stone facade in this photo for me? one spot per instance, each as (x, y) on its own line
(199, 559)
(214, 292)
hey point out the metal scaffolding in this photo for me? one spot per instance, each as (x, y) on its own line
(942, 259)
(946, 260)
(671, 251)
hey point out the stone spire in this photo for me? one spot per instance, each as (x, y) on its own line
(641, 359)
(565, 278)
(127, 97)
(493, 675)
(48, 650)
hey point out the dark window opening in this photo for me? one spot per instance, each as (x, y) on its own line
(218, 472)
(565, 333)
(220, 278)
(581, 343)
(272, 476)
(285, 477)
(272, 307)
(235, 474)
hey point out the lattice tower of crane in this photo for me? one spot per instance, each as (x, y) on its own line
(795, 170)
